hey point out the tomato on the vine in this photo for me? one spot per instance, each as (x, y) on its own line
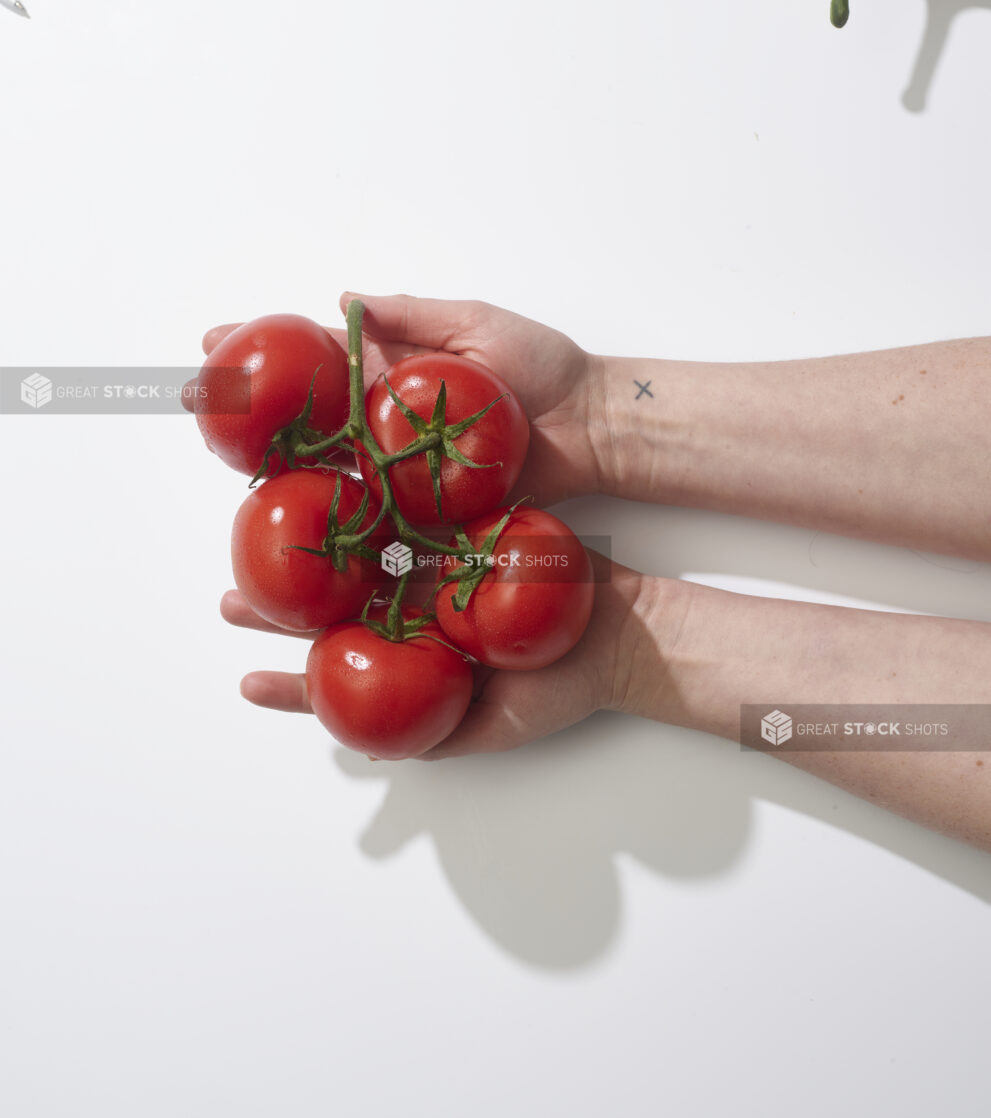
(498, 441)
(283, 584)
(256, 381)
(390, 699)
(535, 599)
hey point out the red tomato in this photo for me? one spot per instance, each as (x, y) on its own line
(289, 587)
(534, 604)
(501, 436)
(390, 699)
(256, 381)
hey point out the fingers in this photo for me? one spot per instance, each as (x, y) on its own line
(381, 352)
(277, 691)
(378, 355)
(421, 323)
(211, 339)
(235, 610)
(188, 397)
(214, 336)
(432, 323)
(274, 690)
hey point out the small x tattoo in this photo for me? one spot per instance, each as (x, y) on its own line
(643, 388)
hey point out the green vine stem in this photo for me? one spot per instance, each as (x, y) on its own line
(839, 12)
(433, 438)
(358, 430)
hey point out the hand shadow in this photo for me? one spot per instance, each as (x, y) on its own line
(940, 14)
(532, 841)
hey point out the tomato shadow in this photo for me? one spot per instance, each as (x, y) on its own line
(940, 15)
(535, 844)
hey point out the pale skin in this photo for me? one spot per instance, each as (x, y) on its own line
(891, 446)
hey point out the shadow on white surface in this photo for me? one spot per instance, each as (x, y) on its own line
(530, 841)
(757, 557)
(940, 15)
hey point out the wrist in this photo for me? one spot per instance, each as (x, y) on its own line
(644, 436)
(607, 426)
(651, 633)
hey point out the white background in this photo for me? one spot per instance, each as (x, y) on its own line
(209, 909)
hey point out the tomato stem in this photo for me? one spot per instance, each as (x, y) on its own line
(433, 438)
(359, 430)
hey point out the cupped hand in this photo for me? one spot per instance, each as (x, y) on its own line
(555, 379)
(509, 708)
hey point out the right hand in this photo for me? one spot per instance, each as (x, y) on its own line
(556, 380)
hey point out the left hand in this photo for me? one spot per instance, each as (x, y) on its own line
(510, 708)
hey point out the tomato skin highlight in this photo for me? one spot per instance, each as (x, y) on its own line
(292, 588)
(526, 614)
(501, 436)
(386, 698)
(256, 381)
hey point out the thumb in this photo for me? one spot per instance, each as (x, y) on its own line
(437, 323)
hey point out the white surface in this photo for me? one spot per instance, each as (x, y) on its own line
(209, 910)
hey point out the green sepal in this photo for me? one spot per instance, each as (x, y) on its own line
(469, 577)
(266, 462)
(433, 465)
(451, 451)
(439, 429)
(415, 421)
(297, 440)
(459, 428)
(337, 546)
(309, 550)
(363, 551)
(490, 540)
(354, 521)
(439, 417)
(466, 587)
(334, 505)
(414, 625)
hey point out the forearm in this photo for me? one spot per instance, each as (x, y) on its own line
(696, 654)
(894, 445)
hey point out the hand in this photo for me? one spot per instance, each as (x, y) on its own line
(554, 378)
(509, 708)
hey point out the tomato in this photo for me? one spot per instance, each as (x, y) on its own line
(256, 381)
(534, 603)
(498, 440)
(390, 699)
(289, 587)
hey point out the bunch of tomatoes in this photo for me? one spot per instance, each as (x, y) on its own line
(380, 519)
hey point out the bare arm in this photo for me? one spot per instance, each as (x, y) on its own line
(693, 655)
(690, 655)
(893, 446)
